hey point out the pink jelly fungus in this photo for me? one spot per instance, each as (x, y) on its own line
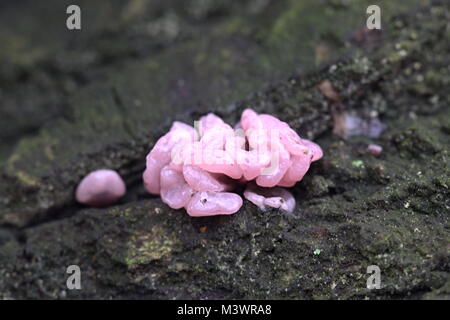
(273, 197)
(197, 168)
(212, 203)
(100, 188)
(374, 149)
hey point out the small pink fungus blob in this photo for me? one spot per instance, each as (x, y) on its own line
(197, 168)
(374, 149)
(100, 188)
(275, 197)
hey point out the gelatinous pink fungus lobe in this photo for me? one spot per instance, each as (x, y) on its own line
(223, 166)
(298, 167)
(175, 192)
(250, 119)
(266, 131)
(181, 127)
(210, 122)
(272, 123)
(314, 148)
(100, 188)
(273, 197)
(195, 168)
(252, 163)
(201, 180)
(270, 176)
(213, 203)
(214, 138)
(374, 149)
(255, 198)
(180, 134)
(293, 143)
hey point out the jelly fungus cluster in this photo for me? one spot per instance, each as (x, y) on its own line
(197, 168)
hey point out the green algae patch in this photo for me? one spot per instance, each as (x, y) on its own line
(128, 214)
(147, 246)
(19, 51)
(358, 163)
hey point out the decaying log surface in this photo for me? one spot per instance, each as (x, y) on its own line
(74, 102)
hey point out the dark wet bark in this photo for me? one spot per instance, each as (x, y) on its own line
(74, 102)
